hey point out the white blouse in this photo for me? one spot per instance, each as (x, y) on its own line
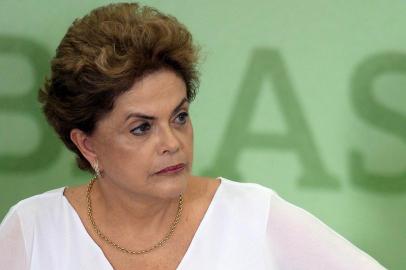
(247, 226)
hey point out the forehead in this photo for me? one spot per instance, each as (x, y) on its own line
(156, 92)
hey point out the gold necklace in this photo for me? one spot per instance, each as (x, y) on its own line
(117, 246)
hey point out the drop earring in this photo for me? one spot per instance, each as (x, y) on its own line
(97, 169)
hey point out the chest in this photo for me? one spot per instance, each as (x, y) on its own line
(167, 257)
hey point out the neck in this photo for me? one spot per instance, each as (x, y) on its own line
(132, 213)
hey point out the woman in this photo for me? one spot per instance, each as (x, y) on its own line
(122, 81)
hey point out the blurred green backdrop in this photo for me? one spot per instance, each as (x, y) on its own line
(305, 97)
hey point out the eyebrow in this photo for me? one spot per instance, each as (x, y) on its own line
(150, 117)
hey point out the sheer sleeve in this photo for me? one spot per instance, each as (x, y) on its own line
(12, 245)
(298, 240)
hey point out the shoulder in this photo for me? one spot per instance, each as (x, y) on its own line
(207, 188)
(40, 206)
(234, 192)
(246, 193)
(41, 199)
(243, 203)
(247, 188)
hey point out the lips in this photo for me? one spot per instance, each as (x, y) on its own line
(174, 168)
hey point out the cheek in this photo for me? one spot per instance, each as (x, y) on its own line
(127, 156)
(137, 157)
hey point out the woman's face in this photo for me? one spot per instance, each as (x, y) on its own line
(148, 130)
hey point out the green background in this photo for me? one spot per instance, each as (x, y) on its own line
(305, 97)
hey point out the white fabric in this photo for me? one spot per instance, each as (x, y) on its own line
(247, 226)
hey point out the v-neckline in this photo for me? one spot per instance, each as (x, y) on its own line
(199, 230)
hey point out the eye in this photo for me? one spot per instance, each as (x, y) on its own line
(141, 130)
(182, 117)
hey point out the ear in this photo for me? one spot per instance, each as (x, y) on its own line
(84, 143)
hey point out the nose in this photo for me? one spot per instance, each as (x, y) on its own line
(169, 142)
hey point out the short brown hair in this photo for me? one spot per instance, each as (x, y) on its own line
(102, 55)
